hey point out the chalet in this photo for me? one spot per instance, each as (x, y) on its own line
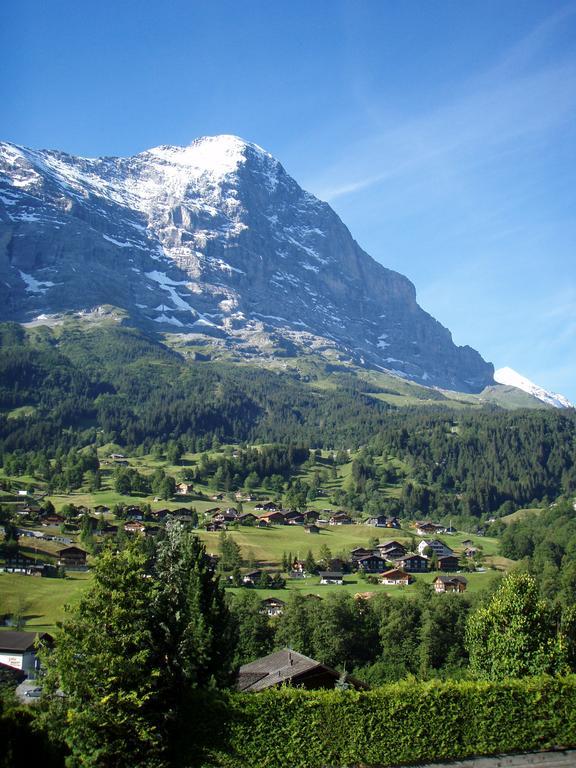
(467, 543)
(215, 526)
(71, 557)
(101, 509)
(292, 514)
(250, 579)
(331, 577)
(116, 456)
(371, 563)
(359, 552)
(18, 650)
(380, 521)
(471, 551)
(450, 530)
(247, 518)
(134, 526)
(312, 528)
(438, 547)
(295, 520)
(182, 513)
(184, 489)
(263, 523)
(274, 517)
(288, 667)
(450, 584)
(413, 563)
(212, 510)
(20, 563)
(311, 515)
(448, 563)
(159, 514)
(393, 522)
(50, 520)
(391, 545)
(224, 517)
(134, 512)
(395, 576)
(426, 528)
(270, 506)
(340, 518)
(272, 606)
(297, 569)
(217, 497)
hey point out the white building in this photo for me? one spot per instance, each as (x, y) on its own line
(18, 650)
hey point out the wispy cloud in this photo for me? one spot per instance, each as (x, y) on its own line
(517, 100)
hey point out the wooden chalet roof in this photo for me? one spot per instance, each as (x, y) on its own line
(20, 642)
(284, 666)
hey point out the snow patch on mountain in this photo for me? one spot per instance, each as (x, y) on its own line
(512, 378)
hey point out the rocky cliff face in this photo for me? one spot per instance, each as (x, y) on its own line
(211, 240)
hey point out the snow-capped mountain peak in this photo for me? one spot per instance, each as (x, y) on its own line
(512, 378)
(217, 240)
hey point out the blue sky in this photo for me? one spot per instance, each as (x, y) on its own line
(443, 132)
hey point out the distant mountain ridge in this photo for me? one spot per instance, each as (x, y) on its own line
(214, 241)
(512, 378)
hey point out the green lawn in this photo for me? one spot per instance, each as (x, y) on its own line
(352, 585)
(40, 600)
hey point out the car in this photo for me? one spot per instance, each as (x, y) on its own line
(34, 693)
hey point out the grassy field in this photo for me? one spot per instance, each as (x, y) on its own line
(40, 601)
(520, 514)
(353, 585)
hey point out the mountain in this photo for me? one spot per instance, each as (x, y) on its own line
(512, 378)
(214, 242)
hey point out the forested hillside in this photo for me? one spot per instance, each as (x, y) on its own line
(71, 387)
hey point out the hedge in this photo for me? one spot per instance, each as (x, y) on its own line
(403, 723)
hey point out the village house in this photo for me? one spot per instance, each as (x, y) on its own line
(72, 558)
(20, 563)
(448, 563)
(250, 579)
(340, 518)
(438, 547)
(391, 550)
(380, 521)
(297, 569)
(134, 526)
(395, 576)
(413, 563)
(471, 552)
(426, 528)
(18, 650)
(272, 606)
(247, 518)
(52, 520)
(274, 517)
(331, 577)
(184, 489)
(450, 584)
(359, 552)
(215, 526)
(294, 518)
(288, 667)
(311, 515)
(159, 514)
(371, 563)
